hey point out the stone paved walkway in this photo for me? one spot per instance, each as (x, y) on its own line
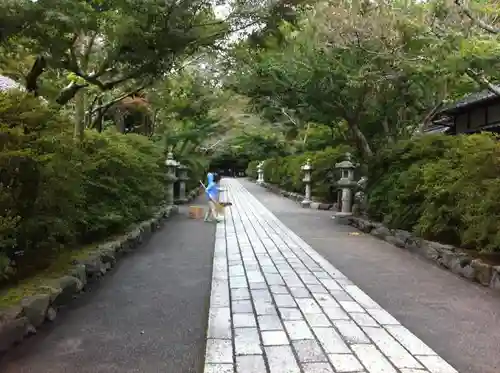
(278, 306)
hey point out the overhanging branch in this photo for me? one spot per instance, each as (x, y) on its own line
(429, 116)
(482, 81)
(68, 92)
(36, 70)
(110, 103)
(481, 24)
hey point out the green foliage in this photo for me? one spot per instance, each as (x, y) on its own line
(286, 172)
(120, 185)
(240, 150)
(186, 120)
(251, 170)
(384, 171)
(6, 270)
(55, 195)
(443, 188)
(376, 70)
(112, 44)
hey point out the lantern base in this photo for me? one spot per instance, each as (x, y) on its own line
(342, 218)
(306, 203)
(181, 201)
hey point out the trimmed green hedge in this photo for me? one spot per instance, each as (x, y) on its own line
(56, 194)
(444, 188)
(286, 172)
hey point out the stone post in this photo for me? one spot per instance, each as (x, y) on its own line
(183, 177)
(260, 173)
(307, 168)
(171, 164)
(347, 184)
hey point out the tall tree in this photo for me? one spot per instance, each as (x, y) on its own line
(105, 44)
(378, 68)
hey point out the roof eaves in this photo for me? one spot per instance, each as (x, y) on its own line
(470, 99)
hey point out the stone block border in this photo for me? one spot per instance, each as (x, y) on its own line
(22, 320)
(315, 205)
(446, 256)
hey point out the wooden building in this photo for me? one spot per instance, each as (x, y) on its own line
(474, 113)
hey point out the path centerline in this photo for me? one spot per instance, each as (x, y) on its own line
(278, 306)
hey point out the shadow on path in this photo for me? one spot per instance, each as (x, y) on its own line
(149, 315)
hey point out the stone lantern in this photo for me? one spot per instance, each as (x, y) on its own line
(171, 164)
(307, 168)
(183, 177)
(347, 184)
(260, 173)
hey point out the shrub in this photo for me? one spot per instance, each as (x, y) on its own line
(56, 194)
(6, 271)
(393, 188)
(286, 172)
(123, 178)
(441, 187)
(251, 170)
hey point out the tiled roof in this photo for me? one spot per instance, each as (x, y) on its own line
(437, 129)
(470, 99)
(7, 83)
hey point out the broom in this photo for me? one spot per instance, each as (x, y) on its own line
(218, 205)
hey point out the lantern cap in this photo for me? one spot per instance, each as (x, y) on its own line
(347, 163)
(170, 159)
(307, 166)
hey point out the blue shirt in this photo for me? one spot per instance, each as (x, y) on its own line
(210, 178)
(212, 191)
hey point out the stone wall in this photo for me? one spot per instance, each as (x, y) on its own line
(22, 320)
(446, 256)
(297, 197)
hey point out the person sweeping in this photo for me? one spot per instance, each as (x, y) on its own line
(212, 191)
(210, 178)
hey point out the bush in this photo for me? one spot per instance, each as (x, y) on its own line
(286, 172)
(443, 188)
(56, 194)
(123, 179)
(251, 170)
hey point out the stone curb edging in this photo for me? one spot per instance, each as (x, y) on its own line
(296, 197)
(446, 256)
(21, 321)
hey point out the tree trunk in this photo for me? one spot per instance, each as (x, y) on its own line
(100, 116)
(332, 133)
(119, 119)
(98, 121)
(307, 133)
(387, 131)
(80, 52)
(32, 78)
(79, 115)
(68, 93)
(153, 122)
(360, 139)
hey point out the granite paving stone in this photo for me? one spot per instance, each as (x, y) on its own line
(291, 310)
